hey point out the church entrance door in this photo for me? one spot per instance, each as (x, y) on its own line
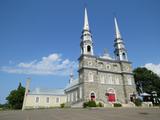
(111, 95)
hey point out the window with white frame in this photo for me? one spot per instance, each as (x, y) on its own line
(75, 95)
(110, 80)
(72, 97)
(117, 80)
(37, 99)
(90, 77)
(47, 99)
(102, 79)
(80, 92)
(67, 97)
(106, 81)
(57, 100)
(129, 81)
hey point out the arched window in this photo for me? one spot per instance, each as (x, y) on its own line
(124, 55)
(88, 48)
(82, 50)
(93, 96)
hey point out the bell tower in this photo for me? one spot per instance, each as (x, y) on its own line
(120, 50)
(86, 38)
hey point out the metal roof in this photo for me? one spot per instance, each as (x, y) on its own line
(39, 91)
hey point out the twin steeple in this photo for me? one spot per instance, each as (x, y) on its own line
(87, 43)
(120, 51)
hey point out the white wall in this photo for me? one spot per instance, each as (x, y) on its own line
(42, 103)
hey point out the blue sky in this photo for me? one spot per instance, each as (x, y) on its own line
(40, 38)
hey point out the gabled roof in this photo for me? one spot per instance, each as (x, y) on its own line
(72, 85)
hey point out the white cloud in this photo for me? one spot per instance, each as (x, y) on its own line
(50, 65)
(153, 67)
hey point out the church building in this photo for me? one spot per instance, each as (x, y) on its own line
(101, 78)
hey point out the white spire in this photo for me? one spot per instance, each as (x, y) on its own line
(86, 43)
(120, 51)
(86, 24)
(117, 32)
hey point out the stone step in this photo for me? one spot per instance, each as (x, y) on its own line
(130, 104)
(77, 105)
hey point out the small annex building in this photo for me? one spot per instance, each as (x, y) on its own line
(43, 98)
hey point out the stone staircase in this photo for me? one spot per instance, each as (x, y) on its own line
(77, 105)
(130, 104)
(108, 105)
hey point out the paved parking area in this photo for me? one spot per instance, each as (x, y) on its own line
(84, 114)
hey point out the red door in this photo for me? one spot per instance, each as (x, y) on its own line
(111, 97)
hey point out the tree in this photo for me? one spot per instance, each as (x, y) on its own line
(147, 80)
(1, 105)
(15, 98)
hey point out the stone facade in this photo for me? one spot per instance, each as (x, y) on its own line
(99, 75)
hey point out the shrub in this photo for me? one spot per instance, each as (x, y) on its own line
(89, 104)
(157, 104)
(138, 102)
(85, 104)
(100, 104)
(117, 105)
(4, 106)
(62, 105)
(92, 104)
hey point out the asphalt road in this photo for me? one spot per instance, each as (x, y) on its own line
(84, 114)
